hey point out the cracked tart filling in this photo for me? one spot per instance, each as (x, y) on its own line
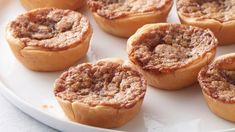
(220, 10)
(112, 9)
(219, 82)
(169, 47)
(50, 28)
(104, 83)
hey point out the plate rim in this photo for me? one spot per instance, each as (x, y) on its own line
(52, 121)
(43, 117)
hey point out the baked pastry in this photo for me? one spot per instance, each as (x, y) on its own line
(171, 55)
(106, 94)
(123, 17)
(49, 39)
(218, 86)
(63, 4)
(217, 15)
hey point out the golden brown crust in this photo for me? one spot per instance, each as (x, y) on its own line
(221, 109)
(178, 79)
(106, 94)
(99, 116)
(126, 23)
(218, 16)
(160, 59)
(63, 4)
(48, 54)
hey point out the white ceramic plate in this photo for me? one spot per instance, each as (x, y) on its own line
(183, 110)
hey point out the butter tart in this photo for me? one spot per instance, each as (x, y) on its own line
(217, 15)
(171, 55)
(123, 17)
(218, 86)
(49, 39)
(62, 4)
(106, 94)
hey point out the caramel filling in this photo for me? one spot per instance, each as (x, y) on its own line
(171, 47)
(112, 9)
(219, 83)
(220, 10)
(104, 83)
(50, 28)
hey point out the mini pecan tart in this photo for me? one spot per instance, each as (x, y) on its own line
(106, 94)
(123, 17)
(171, 55)
(49, 39)
(62, 4)
(217, 15)
(218, 86)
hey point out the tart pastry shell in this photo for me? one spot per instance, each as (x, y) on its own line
(128, 25)
(40, 59)
(174, 80)
(225, 110)
(178, 79)
(100, 115)
(221, 109)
